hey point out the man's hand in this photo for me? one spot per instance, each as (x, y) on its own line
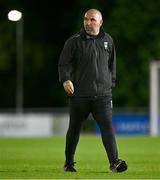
(68, 87)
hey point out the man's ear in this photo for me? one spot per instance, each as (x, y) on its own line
(101, 22)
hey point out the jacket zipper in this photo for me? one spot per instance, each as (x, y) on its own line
(96, 65)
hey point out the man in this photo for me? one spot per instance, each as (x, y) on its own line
(87, 69)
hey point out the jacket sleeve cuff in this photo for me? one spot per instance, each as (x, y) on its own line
(63, 79)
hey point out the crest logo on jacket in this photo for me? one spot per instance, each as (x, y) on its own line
(105, 45)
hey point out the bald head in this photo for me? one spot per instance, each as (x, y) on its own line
(95, 11)
(92, 21)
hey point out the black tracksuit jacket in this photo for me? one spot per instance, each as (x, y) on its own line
(90, 63)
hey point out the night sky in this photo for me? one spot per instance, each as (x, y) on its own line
(46, 21)
(46, 24)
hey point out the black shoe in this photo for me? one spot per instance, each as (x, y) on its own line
(118, 166)
(69, 167)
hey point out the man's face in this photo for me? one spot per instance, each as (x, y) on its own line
(92, 22)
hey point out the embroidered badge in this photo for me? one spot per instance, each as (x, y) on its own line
(105, 45)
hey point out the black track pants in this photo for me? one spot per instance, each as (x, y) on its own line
(80, 108)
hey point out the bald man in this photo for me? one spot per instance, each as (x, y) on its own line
(87, 70)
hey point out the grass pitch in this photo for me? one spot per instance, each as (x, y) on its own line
(43, 158)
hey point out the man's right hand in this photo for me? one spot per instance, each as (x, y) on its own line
(68, 87)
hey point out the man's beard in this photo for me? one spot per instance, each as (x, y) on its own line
(91, 32)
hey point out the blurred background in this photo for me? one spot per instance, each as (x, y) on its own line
(29, 54)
